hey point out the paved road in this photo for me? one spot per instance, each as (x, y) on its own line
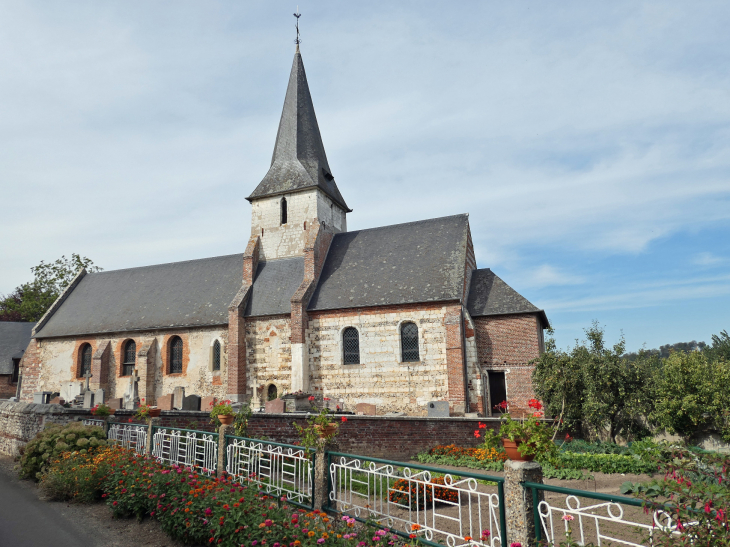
(27, 522)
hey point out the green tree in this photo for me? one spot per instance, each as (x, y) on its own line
(720, 348)
(692, 395)
(31, 300)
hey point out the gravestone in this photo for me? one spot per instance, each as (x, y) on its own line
(115, 403)
(42, 397)
(99, 397)
(438, 409)
(207, 403)
(70, 390)
(366, 409)
(87, 377)
(88, 399)
(178, 396)
(164, 402)
(191, 402)
(275, 406)
(57, 401)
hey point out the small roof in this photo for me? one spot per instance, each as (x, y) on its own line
(275, 283)
(179, 294)
(406, 263)
(489, 295)
(299, 161)
(14, 338)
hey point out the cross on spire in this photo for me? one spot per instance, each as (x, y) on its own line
(298, 40)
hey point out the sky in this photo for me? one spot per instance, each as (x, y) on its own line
(588, 141)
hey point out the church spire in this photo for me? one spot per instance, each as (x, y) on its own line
(299, 161)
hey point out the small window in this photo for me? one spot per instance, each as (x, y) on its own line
(176, 354)
(129, 359)
(409, 342)
(283, 210)
(216, 356)
(271, 393)
(85, 359)
(351, 346)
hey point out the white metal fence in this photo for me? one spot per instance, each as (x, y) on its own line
(133, 437)
(93, 422)
(188, 448)
(454, 510)
(278, 469)
(604, 523)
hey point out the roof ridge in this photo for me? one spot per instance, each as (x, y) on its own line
(402, 224)
(164, 264)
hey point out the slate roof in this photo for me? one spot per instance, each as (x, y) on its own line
(14, 338)
(489, 295)
(299, 160)
(274, 285)
(406, 263)
(179, 294)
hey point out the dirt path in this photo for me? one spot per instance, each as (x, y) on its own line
(28, 521)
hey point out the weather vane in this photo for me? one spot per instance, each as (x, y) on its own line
(297, 15)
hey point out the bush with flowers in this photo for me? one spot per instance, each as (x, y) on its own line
(417, 495)
(219, 408)
(102, 411)
(53, 441)
(77, 476)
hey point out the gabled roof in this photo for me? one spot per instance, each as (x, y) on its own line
(275, 283)
(14, 338)
(193, 293)
(299, 161)
(489, 295)
(406, 263)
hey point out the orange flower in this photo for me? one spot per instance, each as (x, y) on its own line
(467, 538)
(415, 527)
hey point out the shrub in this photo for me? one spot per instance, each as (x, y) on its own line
(53, 441)
(77, 476)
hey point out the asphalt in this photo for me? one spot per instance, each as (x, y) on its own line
(26, 521)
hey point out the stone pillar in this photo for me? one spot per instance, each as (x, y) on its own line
(100, 366)
(518, 501)
(146, 366)
(223, 430)
(320, 479)
(455, 361)
(150, 443)
(237, 386)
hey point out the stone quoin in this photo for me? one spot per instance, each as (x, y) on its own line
(395, 317)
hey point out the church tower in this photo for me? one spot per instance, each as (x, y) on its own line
(299, 189)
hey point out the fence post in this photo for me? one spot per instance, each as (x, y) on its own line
(223, 430)
(321, 492)
(150, 430)
(520, 503)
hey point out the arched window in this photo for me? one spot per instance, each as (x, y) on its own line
(216, 355)
(409, 342)
(85, 359)
(351, 346)
(271, 393)
(283, 210)
(176, 354)
(129, 358)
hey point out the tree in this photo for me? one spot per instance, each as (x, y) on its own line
(31, 300)
(720, 348)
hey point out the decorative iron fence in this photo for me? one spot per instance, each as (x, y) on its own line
(186, 447)
(460, 510)
(281, 469)
(133, 437)
(606, 521)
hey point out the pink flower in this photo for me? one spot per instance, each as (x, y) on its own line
(515, 544)
(208, 512)
(567, 518)
(320, 541)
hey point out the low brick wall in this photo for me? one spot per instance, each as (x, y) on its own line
(376, 436)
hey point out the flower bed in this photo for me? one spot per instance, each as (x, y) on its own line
(417, 495)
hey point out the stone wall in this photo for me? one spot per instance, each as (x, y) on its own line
(60, 358)
(268, 355)
(304, 210)
(381, 378)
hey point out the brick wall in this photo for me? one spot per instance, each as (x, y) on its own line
(509, 343)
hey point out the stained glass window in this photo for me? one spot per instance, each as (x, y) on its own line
(216, 355)
(130, 357)
(176, 355)
(409, 342)
(351, 346)
(85, 359)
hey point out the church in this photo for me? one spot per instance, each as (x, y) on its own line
(395, 316)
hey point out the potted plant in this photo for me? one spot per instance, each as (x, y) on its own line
(319, 431)
(526, 439)
(222, 413)
(102, 411)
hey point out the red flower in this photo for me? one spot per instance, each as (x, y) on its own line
(130, 420)
(476, 433)
(344, 418)
(482, 426)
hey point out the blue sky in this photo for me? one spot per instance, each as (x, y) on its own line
(588, 141)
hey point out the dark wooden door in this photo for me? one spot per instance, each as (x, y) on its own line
(497, 390)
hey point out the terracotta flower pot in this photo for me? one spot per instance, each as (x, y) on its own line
(513, 452)
(154, 412)
(327, 430)
(226, 419)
